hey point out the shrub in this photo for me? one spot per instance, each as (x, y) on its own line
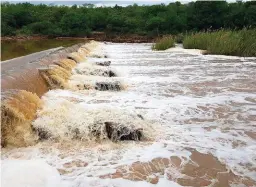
(224, 42)
(164, 43)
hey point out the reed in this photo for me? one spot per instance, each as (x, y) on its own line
(164, 43)
(224, 42)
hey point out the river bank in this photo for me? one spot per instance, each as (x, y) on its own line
(97, 36)
(16, 46)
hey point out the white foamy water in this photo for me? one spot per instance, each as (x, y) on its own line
(26, 173)
(65, 120)
(188, 101)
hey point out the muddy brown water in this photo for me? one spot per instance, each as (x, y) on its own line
(16, 48)
(203, 109)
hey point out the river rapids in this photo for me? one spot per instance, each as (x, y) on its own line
(198, 113)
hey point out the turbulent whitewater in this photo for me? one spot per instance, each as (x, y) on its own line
(197, 112)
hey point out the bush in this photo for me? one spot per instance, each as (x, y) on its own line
(164, 43)
(7, 30)
(197, 41)
(224, 42)
(23, 31)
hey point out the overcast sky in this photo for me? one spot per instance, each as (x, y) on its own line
(105, 2)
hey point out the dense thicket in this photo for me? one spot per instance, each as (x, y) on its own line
(153, 20)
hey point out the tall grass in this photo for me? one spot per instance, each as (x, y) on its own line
(164, 43)
(224, 42)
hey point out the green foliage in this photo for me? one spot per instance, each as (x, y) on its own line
(224, 42)
(152, 21)
(164, 43)
(197, 41)
(24, 31)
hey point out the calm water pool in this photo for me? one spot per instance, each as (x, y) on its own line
(13, 49)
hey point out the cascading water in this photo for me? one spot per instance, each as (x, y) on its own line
(18, 109)
(62, 119)
(196, 112)
(78, 57)
(82, 82)
(55, 76)
(67, 64)
(96, 70)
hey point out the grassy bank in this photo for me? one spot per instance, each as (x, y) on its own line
(224, 42)
(164, 43)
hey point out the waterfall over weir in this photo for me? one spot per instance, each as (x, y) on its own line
(122, 114)
(18, 109)
(19, 106)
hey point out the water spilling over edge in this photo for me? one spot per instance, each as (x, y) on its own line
(196, 106)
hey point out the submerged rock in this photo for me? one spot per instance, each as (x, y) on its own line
(117, 132)
(99, 56)
(140, 116)
(105, 86)
(105, 73)
(96, 72)
(98, 131)
(106, 63)
(111, 73)
(42, 133)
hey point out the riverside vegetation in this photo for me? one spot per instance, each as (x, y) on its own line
(164, 43)
(224, 42)
(220, 42)
(155, 20)
(218, 26)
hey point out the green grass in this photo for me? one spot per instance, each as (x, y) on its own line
(224, 42)
(164, 43)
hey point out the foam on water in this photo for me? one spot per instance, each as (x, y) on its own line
(64, 120)
(84, 82)
(124, 183)
(200, 102)
(88, 68)
(25, 173)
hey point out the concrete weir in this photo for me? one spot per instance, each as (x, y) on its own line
(23, 82)
(25, 79)
(22, 73)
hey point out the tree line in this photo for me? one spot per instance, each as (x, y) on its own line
(154, 20)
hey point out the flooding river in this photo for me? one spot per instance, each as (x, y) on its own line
(199, 111)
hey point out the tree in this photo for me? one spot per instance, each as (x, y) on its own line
(154, 23)
(74, 24)
(155, 20)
